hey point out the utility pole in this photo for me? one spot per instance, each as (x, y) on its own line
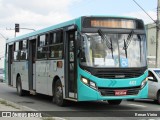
(158, 36)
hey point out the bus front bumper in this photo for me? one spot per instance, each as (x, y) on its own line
(87, 93)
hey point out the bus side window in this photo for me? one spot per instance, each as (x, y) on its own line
(41, 41)
(56, 44)
(23, 50)
(16, 55)
(52, 38)
(42, 49)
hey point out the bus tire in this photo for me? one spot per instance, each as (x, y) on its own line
(58, 94)
(114, 102)
(19, 87)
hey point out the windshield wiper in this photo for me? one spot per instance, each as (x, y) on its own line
(128, 41)
(111, 48)
(104, 38)
(106, 41)
(125, 48)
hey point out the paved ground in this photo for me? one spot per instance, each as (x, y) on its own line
(43, 103)
(8, 109)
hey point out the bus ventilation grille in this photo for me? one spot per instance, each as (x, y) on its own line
(119, 74)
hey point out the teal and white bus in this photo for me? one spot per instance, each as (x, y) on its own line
(89, 58)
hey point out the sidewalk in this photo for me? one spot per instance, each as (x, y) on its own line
(13, 107)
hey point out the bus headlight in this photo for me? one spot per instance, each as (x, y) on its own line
(89, 83)
(85, 81)
(144, 82)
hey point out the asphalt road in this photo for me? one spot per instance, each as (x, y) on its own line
(44, 103)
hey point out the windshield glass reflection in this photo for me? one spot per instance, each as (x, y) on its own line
(111, 51)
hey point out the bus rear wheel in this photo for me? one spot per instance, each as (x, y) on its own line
(19, 87)
(114, 102)
(58, 94)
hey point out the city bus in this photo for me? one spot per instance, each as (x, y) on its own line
(90, 58)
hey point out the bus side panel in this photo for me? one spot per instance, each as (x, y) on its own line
(24, 74)
(55, 71)
(14, 72)
(21, 68)
(41, 77)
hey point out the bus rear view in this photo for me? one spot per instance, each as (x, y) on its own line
(112, 60)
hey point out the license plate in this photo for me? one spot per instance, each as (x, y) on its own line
(120, 92)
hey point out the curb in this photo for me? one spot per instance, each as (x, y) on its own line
(20, 107)
(24, 108)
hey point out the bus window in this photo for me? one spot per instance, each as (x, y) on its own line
(56, 47)
(16, 46)
(41, 41)
(42, 52)
(23, 55)
(16, 55)
(59, 37)
(56, 51)
(24, 44)
(52, 39)
(56, 37)
(22, 50)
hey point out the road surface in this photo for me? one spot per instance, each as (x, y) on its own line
(44, 103)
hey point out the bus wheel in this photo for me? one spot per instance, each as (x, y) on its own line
(158, 98)
(19, 87)
(114, 102)
(58, 94)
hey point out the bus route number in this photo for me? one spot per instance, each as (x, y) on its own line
(132, 82)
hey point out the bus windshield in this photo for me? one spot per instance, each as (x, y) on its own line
(116, 50)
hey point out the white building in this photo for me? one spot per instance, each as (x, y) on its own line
(151, 44)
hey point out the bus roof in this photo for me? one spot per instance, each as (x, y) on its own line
(71, 22)
(43, 30)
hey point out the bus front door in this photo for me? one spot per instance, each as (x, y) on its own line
(32, 65)
(70, 68)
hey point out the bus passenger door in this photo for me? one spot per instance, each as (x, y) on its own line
(70, 66)
(10, 65)
(32, 65)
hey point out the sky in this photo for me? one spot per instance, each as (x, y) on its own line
(38, 14)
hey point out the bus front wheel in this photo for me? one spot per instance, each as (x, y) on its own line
(58, 94)
(114, 102)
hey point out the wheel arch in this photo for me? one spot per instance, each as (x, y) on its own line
(55, 79)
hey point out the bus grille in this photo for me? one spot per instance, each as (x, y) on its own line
(119, 73)
(111, 91)
(115, 73)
